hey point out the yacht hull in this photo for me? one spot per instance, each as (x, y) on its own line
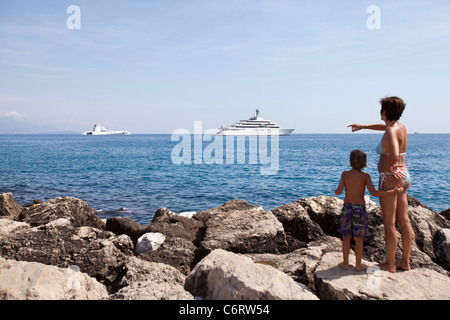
(101, 131)
(92, 133)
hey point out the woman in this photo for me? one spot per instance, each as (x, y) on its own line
(392, 169)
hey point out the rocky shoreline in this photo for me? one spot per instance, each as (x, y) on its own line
(62, 250)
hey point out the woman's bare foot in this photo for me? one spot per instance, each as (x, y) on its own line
(343, 265)
(403, 265)
(387, 267)
(361, 267)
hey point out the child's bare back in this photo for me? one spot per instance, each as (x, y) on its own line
(355, 182)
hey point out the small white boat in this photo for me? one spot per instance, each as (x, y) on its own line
(253, 126)
(101, 131)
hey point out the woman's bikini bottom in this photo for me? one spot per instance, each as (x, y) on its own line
(384, 174)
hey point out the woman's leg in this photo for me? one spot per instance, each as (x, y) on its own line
(405, 229)
(388, 206)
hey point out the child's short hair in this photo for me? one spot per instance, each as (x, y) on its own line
(357, 159)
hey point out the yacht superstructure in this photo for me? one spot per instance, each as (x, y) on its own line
(253, 126)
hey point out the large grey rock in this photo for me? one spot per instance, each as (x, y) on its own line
(173, 225)
(70, 208)
(301, 263)
(176, 252)
(425, 223)
(332, 282)
(242, 228)
(96, 252)
(137, 279)
(325, 211)
(135, 270)
(297, 224)
(441, 245)
(20, 280)
(125, 225)
(224, 275)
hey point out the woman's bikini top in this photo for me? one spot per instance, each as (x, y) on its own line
(380, 147)
(382, 152)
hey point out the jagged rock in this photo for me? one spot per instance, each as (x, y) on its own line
(148, 242)
(230, 206)
(325, 211)
(125, 225)
(151, 290)
(332, 282)
(73, 209)
(135, 270)
(9, 208)
(224, 275)
(176, 252)
(96, 252)
(297, 224)
(20, 280)
(172, 225)
(242, 228)
(301, 263)
(425, 223)
(441, 244)
(163, 212)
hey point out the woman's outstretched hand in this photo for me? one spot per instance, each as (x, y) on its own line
(355, 127)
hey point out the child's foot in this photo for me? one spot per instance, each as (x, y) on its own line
(361, 267)
(343, 265)
(387, 267)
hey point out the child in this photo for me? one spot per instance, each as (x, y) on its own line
(354, 220)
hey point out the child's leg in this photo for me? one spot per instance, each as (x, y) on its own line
(358, 254)
(345, 251)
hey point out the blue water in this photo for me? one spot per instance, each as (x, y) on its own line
(134, 175)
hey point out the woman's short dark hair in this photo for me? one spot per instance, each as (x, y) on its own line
(357, 159)
(393, 107)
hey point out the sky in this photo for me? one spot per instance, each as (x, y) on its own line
(157, 66)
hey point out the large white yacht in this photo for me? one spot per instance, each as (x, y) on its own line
(101, 131)
(253, 126)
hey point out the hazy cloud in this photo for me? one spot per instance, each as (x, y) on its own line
(12, 114)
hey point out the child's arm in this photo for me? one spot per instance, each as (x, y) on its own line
(340, 187)
(381, 193)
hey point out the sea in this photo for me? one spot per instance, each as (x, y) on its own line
(135, 175)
